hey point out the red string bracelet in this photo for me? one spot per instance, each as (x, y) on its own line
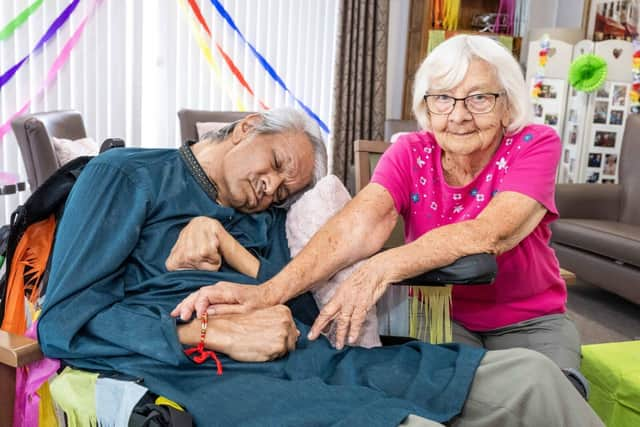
(201, 355)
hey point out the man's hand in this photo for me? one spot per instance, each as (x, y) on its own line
(258, 336)
(349, 305)
(198, 246)
(224, 298)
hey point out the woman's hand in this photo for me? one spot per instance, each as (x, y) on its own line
(224, 298)
(349, 305)
(257, 336)
(198, 246)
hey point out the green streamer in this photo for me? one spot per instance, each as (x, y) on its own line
(8, 30)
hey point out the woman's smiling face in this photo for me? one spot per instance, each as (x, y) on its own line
(461, 132)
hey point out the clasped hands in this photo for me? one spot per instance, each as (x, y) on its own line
(259, 308)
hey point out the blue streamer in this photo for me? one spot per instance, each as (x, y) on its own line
(51, 31)
(223, 12)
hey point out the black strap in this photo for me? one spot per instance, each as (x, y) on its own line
(207, 185)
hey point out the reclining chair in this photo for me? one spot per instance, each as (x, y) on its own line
(18, 351)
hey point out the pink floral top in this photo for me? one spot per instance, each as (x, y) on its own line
(528, 283)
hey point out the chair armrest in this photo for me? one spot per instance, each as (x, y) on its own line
(18, 350)
(589, 201)
(110, 143)
(478, 269)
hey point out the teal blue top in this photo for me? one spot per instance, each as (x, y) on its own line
(109, 296)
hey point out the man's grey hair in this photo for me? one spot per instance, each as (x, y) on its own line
(280, 121)
(446, 66)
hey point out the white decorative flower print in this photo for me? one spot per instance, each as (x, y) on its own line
(428, 150)
(423, 180)
(479, 197)
(502, 163)
(457, 209)
(509, 141)
(489, 177)
(457, 196)
(420, 162)
(434, 205)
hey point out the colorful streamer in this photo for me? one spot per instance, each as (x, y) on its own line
(542, 63)
(274, 75)
(16, 22)
(232, 66)
(634, 93)
(204, 47)
(51, 31)
(55, 68)
(7, 178)
(451, 14)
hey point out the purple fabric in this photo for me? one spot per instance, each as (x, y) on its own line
(51, 31)
(28, 380)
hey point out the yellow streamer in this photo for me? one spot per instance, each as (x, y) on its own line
(451, 13)
(204, 48)
(430, 314)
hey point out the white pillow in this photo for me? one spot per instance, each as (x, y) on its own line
(204, 127)
(67, 149)
(304, 218)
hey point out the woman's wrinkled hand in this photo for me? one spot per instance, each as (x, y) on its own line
(350, 304)
(223, 298)
(198, 246)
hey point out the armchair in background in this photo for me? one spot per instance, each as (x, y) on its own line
(598, 233)
(34, 132)
(189, 120)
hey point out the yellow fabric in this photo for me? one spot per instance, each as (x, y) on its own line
(46, 412)
(161, 400)
(74, 392)
(430, 314)
(451, 14)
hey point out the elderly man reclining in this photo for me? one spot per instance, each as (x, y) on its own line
(110, 296)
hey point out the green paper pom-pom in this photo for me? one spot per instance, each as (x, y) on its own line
(587, 72)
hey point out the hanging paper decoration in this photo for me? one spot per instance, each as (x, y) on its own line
(451, 12)
(634, 93)
(59, 62)
(266, 65)
(542, 63)
(587, 72)
(16, 22)
(232, 66)
(204, 48)
(51, 31)
(505, 17)
(429, 313)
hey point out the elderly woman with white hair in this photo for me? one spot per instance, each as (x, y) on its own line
(479, 178)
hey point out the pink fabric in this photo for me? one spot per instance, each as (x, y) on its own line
(28, 381)
(528, 284)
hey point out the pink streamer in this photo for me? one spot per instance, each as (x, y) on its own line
(53, 71)
(8, 178)
(29, 379)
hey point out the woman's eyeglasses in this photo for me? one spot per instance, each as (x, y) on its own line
(479, 103)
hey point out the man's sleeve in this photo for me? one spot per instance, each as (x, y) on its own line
(86, 314)
(532, 171)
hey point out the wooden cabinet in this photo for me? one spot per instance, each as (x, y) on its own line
(420, 26)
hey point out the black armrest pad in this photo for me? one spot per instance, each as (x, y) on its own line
(110, 143)
(479, 269)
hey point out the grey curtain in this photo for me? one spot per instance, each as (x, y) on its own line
(359, 98)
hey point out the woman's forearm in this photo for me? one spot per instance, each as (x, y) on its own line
(357, 231)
